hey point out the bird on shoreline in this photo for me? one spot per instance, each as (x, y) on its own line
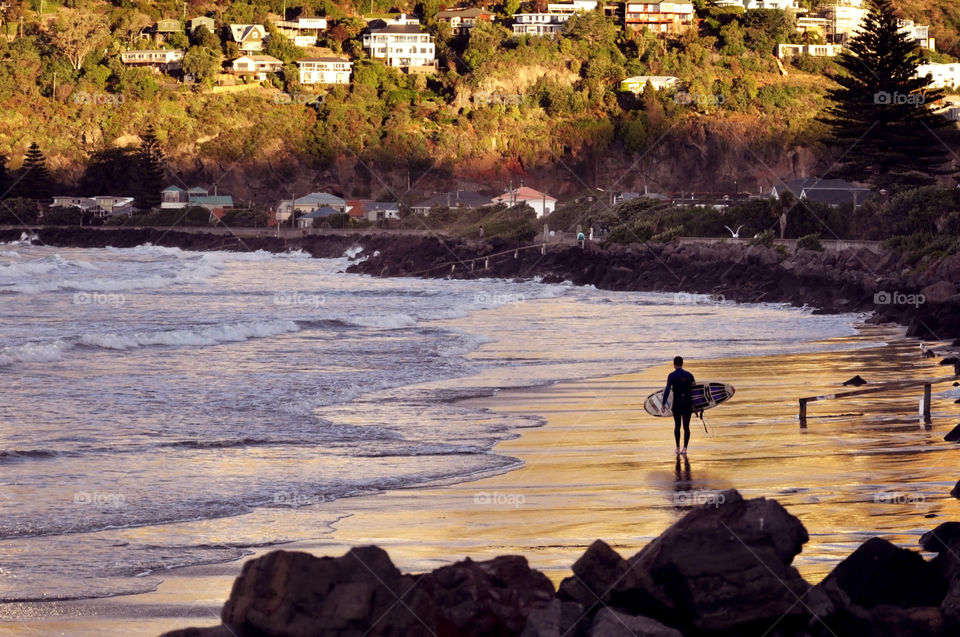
(735, 234)
(926, 352)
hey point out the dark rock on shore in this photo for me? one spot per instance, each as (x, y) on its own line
(856, 381)
(723, 570)
(953, 435)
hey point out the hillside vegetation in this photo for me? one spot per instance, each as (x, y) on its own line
(499, 106)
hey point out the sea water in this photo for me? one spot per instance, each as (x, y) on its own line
(162, 408)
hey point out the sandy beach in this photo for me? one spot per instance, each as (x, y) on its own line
(602, 468)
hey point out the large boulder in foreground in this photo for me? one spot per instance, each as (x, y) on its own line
(723, 566)
(945, 541)
(881, 573)
(288, 594)
(486, 598)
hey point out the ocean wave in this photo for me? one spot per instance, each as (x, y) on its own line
(8, 455)
(211, 335)
(34, 353)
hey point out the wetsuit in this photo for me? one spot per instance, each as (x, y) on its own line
(681, 381)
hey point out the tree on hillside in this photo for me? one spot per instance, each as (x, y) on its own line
(882, 125)
(202, 63)
(150, 162)
(111, 171)
(77, 33)
(34, 180)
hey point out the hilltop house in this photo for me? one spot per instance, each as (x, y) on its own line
(163, 29)
(920, 33)
(402, 45)
(833, 192)
(662, 17)
(462, 20)
(327, 69)
(457, 199)
(790, 51)
(541, 202)
(201, 21)
(782, 5)
(166, 60)
(259, 66)
(539, 23)
(249, 37)
(176, 198)
(638, 83)
(303, 31)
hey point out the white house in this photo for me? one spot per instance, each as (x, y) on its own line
(787, 51)
(258, 66)
(462, 20)
(99, 205)
(249, 37)
(309, 203)
(944, 75)
(542, 203)
(158, 59)
(572, 6)
(83, 203)
(379, 210)
(637, 83)
(303, 31)
(402, 45)
(843, 22)
(325, 70)
(539, 23)
(919, 33)
(783, 5)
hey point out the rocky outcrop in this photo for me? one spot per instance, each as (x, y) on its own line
(723, 570)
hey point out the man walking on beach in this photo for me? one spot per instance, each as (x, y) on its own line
(680, 381)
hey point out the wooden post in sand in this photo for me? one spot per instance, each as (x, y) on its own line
(803, 413)
(926, 403)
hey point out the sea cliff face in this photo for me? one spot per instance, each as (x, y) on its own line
(723, 569)
(924, 296)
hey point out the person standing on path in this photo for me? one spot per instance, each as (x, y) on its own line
(680, 381)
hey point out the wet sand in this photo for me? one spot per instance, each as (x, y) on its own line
(603, 468)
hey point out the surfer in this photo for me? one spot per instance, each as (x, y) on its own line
(680, 380)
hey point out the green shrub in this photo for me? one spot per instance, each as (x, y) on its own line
(810, 242)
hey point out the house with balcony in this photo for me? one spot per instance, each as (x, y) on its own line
(462, 199)
(782, 5)
(307, 204)
(665, 18)
(402, 45)
(163, 29)
(572, 6)
(919, 33)
(539, 24)
(462, 20)
(249, 37)
(328, 69)
(257, 66)
(165, 60)
(791, 51)
(302, 31)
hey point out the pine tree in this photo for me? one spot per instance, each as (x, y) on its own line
(882, 127)
(34, 180)
(150, 164)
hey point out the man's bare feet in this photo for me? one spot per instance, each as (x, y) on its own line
(677, 452)
(683, 451)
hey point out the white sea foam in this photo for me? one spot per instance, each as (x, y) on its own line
(211, 335)
(34, 353)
